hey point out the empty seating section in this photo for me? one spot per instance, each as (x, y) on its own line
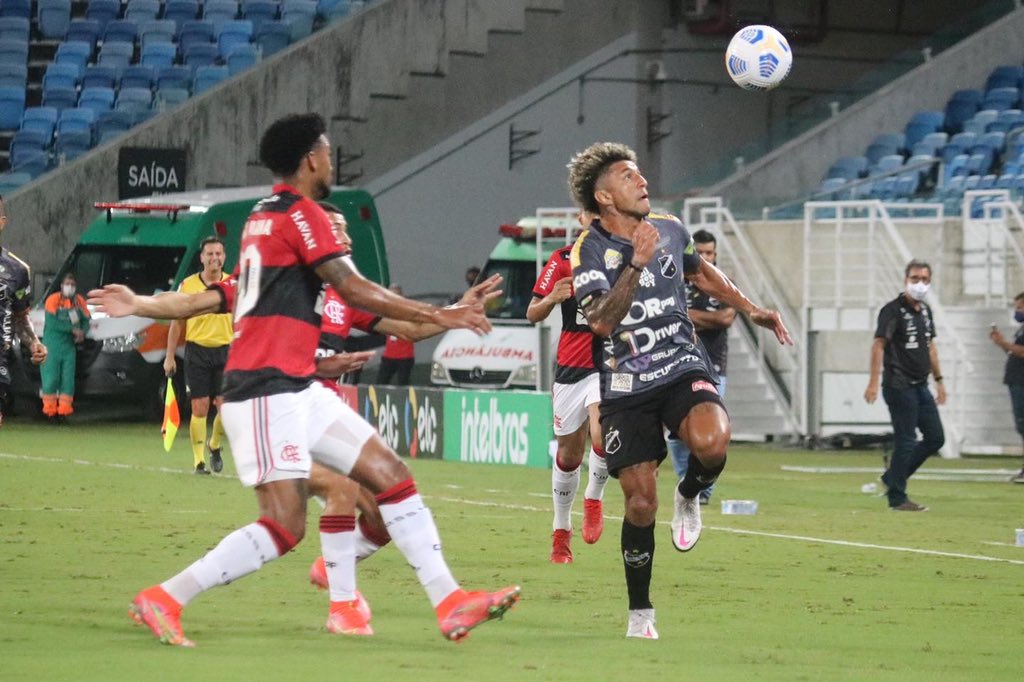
(976, 142)
(77, 74)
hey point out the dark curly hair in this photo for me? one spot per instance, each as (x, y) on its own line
(288, 140)
(587, 167)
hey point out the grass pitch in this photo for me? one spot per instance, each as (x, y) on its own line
(823, 583)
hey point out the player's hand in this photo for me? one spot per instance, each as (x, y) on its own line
(562, 290)
(334, 366)
(871, 393)
(115, 300)
(483, 292)
(39, 353)
(645, 242)
(940, 397)
(170, 364)
(770, 319)
(996, 336)
(469, 317)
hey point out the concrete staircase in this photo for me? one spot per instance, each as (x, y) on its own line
(753, 408)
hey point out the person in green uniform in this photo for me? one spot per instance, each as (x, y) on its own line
(67, 322)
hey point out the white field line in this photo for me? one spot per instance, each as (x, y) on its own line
(546, 510)
(933, 474)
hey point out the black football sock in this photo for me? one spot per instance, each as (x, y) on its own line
(698, 477)
(638, 558)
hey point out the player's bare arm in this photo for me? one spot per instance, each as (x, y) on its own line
(334, 366)
(875, 369)
(27, 335)
(118, 300)
(712, 319)
(604, 313)
(478, 294)
(713, 282)
(540, 308)
(362, 293)
(940, 387)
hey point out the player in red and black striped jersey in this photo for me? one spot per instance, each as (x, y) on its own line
(279, 420)
(576, 394)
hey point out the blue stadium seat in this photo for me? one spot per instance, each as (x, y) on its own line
(53, 18)
(330, 10)
(85, 30)
(876, 150)
(15, 28)
(142, 10)
(62, 75)
(71, 145)
(13, 51)
(200, 54)
(138, 76)
(76, 120)
(28, 142)
(220, 11)
(209, 76)
(42, 119)
(158, 55)
(60, 98)
(13, 75)
(112, 122)
(35, 164)
(958, 112)
(232, 34)
(121, 31)
(73, 52)
(979, 162)
(831, 189)
(242, 57)
(272, 37)
(101, 76)
(922, 123)
(118, 55)
(174, 77)
(181, 11)
(168, 98)
(96, 99)
(103, 11)
(199, 31)
(259, 11)
(12, 107)
(848, 167)
(1005, 76)
(134, 99)
(13, 180)
(157, 31)
(299, 15)
(16, 8)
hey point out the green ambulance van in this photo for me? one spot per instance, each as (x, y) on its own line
(151, 244)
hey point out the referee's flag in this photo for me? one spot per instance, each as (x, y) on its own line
(172, 420)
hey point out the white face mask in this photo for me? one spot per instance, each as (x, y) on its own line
(917, 290)
(68, 290)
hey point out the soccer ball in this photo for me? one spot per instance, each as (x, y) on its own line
(758, 58)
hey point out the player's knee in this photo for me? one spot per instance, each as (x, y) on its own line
(378, 467)
(641, 509)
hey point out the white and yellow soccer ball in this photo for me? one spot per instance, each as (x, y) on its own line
(758, 58)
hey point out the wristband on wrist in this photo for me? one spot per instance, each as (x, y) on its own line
(630, 265)
(938, 379)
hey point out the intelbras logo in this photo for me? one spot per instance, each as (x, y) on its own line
(493, 436)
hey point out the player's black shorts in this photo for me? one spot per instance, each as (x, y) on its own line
(204, 368)
(633, 426)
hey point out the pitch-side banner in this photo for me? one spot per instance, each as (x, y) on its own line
(499, 427)
(409, 419)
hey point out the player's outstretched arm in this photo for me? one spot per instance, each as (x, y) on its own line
(478, 294)
(714, 283)
(540, 308)
(118, 300)
(362, 293)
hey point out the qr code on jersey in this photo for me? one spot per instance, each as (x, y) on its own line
(622, 383)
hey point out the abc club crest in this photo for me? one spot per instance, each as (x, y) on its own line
(668, 266)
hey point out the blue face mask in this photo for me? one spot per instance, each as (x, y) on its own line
(1018, 316)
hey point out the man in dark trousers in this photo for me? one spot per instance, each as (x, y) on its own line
(904, 344)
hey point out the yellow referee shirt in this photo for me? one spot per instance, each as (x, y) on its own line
(212, 330)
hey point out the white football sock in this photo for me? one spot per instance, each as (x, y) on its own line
(338, 547)
(597, 476)
(563, 493)
(364, 546)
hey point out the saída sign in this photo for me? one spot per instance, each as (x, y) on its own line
(142, 172)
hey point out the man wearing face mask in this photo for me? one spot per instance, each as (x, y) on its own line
(1013, 376)
(904, 344)
(67, 322)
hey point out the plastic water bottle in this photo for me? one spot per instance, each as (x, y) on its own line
(1020, 537)
(869, 488)
(746, 507)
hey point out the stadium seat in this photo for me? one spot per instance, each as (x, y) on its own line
(1005, 76)
(830, 189)
(103, 12)
(77, 120)
(13, 51)
(16, 8)
(876, 150)
(13, 180)
(272, 37)
(96, 99)
(220, 11)
(979, 163)
(134, 98)
(242, 57)
(848, 167)
(158, 54)
(157, 31)
(181, 12)
(957, 113)
(42, 119)
(299, 15)
(13, 75)
(121, 31)
(71, 145)
(85, 30)
(888, 163)
(14, 28)
(330, 10)
(259, 11)
(197, 31)
(12, 107)
(100, 76)
(922, 123)
(110, 123)
(60, 97)
(174, 77)
(142, 10)
(53, 18)
(232, 34)
(208, 76)
(200, 54)
(27, 143)
(138, 76)
(62, 75)
(1001, 98)
(34, 164)
(73, 52)
(118, 55)
(168, 98)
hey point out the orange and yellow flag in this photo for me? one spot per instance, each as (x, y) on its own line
(172, 420)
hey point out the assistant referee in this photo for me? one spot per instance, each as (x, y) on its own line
(207, 338)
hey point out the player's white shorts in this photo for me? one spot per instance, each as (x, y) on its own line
(570, 402)
(277, 437)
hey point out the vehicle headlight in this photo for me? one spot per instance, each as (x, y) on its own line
(122, 344)
(526, 374)
(437, 373)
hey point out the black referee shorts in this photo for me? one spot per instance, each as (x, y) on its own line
(204, 368)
